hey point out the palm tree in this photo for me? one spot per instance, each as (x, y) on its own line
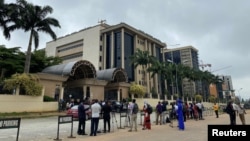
(33, 19)
(3, 16)
(159, 68)
(7, 13)
(142, 58)
(182, 72)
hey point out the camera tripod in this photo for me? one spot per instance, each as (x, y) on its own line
(113, 119)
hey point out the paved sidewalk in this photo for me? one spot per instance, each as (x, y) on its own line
(194, 131)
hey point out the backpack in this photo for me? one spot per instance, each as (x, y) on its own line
(228, 109)
(168, 120)
(149, 109)
(135, 109)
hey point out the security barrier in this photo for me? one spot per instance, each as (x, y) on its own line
(11, 123)
(63, 120)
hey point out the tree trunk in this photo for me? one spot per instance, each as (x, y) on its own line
(28, 55)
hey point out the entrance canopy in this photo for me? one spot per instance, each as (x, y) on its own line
(113, 75)
(74, 70)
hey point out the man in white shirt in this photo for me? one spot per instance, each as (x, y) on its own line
(235, 108)
(95, 110)
(200, 110)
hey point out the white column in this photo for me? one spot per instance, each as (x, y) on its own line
(122, 49)
(61, 92)
(84, 91)
(17, 90)
(112, 50)
(104, 51)
(43, 91)
(118, 95)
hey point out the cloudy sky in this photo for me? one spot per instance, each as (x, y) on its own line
(219, 29)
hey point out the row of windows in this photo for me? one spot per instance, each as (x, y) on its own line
(141, 42)
(72, 56)
(141, 71)
(142, 83)
(70, 47)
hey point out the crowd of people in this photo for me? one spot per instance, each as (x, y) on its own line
(180, 111)
(235, 109)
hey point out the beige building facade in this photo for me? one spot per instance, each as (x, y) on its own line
(108, 47)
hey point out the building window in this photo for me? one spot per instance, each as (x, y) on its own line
(100, 58)
(100, 38)
(100, 68)
(100, 47)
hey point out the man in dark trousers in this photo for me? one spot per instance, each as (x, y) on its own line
(106, 110)
(81, 119)
(95, 112)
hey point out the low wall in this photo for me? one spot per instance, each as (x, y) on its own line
(23, 103)
(154, 102)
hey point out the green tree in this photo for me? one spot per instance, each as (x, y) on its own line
(137, 89)
(6, 12)
(28, 84)
(212, 98)
(142, 58)
(11, 61)
(32, 18)
(40, 61)
(198, 97)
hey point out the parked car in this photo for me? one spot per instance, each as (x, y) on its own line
(118, 106)
(74, 111)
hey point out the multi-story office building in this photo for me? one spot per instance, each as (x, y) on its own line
(226, 90)
(108, 47)
(188, 56)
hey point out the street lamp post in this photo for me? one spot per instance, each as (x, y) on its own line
(239, 94)
(176, 79)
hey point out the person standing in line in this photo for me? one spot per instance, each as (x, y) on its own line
(180, 115)
(81, 119)
(231, 111)
(200, 110)
(133, 113)
(146, 122)
(185, 111)
(195, 111)
(106, 110)
(235, 108)
(158, 113)
(216, 109)
(95, 111)
(191, 111)
(164, 112)
(241, 112)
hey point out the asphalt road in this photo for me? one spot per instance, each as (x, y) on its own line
(45, 129)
